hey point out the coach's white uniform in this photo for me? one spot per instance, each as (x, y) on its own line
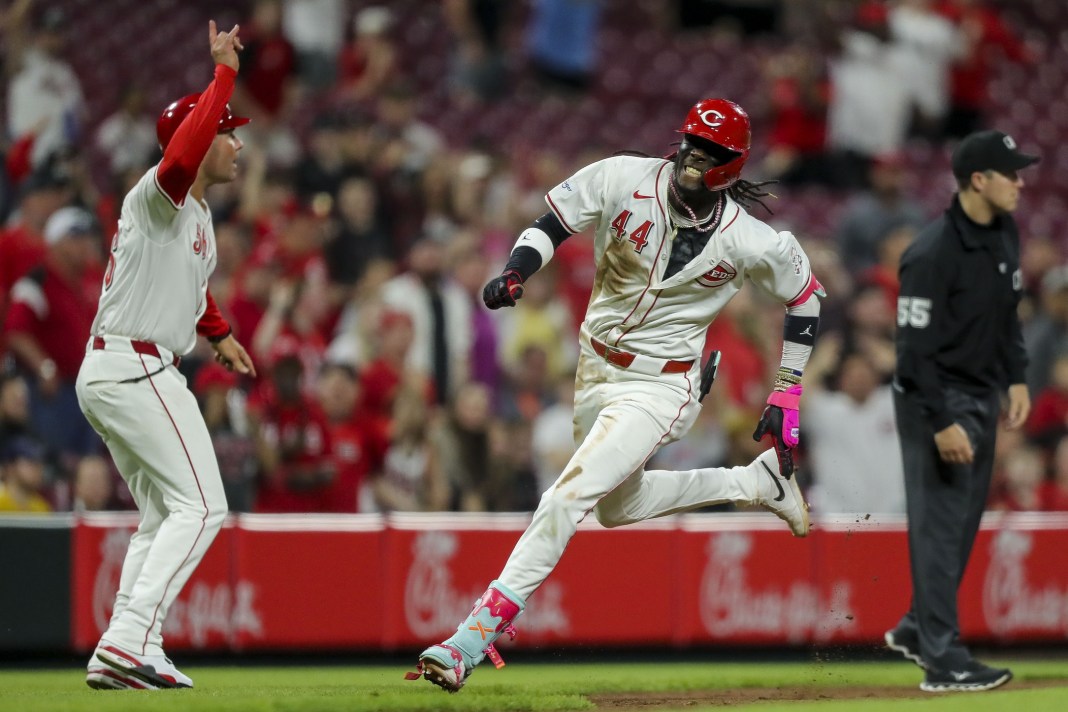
(155, 291)
(657, 324)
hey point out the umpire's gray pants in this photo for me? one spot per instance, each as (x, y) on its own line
(944, 503)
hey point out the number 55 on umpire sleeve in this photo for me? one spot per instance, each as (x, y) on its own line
(914, 312)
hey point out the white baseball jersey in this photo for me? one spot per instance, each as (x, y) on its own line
(633, 307)
(623, 415)
(156, 281)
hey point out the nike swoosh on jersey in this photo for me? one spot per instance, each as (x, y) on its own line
(639, 196)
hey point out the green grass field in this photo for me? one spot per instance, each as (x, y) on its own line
(653, 687)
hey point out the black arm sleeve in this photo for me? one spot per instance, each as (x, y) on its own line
(551, 226)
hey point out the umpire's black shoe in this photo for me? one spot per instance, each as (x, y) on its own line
(975, 677)
(906, 642)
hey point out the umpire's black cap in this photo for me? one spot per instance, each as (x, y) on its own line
(988, 151)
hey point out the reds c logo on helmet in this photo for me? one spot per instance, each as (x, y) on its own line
(726, 124)
(175, 113)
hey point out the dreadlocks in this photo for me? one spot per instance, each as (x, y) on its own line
(743, 192)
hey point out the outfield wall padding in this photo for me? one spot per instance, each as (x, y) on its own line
(398, 582)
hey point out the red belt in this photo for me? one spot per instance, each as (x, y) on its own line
(623, 359)
(145, 348)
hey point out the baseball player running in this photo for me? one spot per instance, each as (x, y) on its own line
(153, 303)
(673, 244)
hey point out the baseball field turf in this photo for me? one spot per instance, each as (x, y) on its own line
(1040, 686)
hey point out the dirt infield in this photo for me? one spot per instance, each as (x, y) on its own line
(628, 702)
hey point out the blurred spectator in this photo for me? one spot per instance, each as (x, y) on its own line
(553, 434)
(14, 407)
(22, 476)
(316, 29)
(356, 334)
(561, 42)
(461, 445)
(359, 442)
(870, 107)
(470, 270)
(362, 235)
(382, 377)
(44, 96)
(233, 245)
(295, 314)
(267, 89)
(268, 62)
(870, 326)
(1038, 255)
(870, 215)
(223, 406)
(128, 136)
(408, 143)
(884, 273)
(323, 167)
(1048, 422)
(1018, 486)
(742, 337)
(367, 62)
(529, 386)
(292, 438)
(440, 314)
(22, 243)
(512, 481)
(797, 140)
(926, 43)
(541, 320)
(986, 39)
(1046, 335)
(52, 310)
(412, 478)
(94, 486)
(252, 290)
(1055, 492)
(477, 65)
(856, 467)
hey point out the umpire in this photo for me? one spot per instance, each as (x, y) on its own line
(959, 347)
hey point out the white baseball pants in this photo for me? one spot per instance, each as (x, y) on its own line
(158, 439)
(621, 419)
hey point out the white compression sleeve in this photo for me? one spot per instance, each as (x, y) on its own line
(537, 239)
(795, 355)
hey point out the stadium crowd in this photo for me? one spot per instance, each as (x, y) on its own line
(353, 249)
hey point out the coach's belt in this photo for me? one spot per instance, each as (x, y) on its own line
(624, 359)
(145, 348)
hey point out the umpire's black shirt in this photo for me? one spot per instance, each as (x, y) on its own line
(956, 313)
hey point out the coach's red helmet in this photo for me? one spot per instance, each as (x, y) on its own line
(173, 116)
(725, 124)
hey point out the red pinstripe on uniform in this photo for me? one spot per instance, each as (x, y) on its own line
(689, 397)
(652, 270)
(203, 500)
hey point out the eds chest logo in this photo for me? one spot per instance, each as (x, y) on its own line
(718, 275)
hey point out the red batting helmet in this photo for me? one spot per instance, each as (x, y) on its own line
(173, 116)
(726, 124)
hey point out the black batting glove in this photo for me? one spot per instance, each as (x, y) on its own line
(503, 291)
